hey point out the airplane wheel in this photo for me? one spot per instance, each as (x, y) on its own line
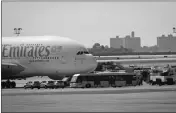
(8, 84)
(3, 85)
(13, 84)
(88, 85)
(153, 83)
(170, 82)
(159, 82)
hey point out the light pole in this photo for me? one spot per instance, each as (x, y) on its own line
(17, 31)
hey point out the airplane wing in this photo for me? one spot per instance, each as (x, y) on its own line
(8, 64)
(8, 68)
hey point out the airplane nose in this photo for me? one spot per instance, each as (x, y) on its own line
(92, 62)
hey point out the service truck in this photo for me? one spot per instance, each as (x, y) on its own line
(166, 75)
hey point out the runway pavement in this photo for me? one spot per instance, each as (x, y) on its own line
(128, 99)
(128, 89)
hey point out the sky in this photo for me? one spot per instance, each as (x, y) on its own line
(90, 22)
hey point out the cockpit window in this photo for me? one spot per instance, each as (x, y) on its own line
(86, 52)
(78, 53)
(82, 52)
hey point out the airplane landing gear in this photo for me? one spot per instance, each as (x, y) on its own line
(8, 84)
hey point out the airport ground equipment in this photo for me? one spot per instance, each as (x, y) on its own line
(28, 85)
(36, 84)
(59, 84)
(103, 79)
(43, 84)
(161, 76)
(146, 76)
(66, 81)
(51, 84)
(112, 66)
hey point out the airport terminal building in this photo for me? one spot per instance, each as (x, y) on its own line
(129, 42)
(166, 43)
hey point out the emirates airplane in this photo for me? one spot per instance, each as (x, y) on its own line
(50, 56)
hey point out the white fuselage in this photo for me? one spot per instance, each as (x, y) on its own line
(47, 55)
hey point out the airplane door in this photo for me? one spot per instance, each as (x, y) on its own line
(79, 59)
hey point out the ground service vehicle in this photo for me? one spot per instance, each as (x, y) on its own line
(36, 85)
(59, 84)
(51, 84)
(28, 85)
(66, 81)
(163, 76)
(103, 79)
(43, 84)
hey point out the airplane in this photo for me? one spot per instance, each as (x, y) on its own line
(52, 56)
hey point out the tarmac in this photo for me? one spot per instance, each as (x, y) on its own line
(144, 98)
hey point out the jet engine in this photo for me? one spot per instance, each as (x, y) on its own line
(60, 77)
(9, 70)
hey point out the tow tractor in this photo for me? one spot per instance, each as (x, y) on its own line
(162, 76)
